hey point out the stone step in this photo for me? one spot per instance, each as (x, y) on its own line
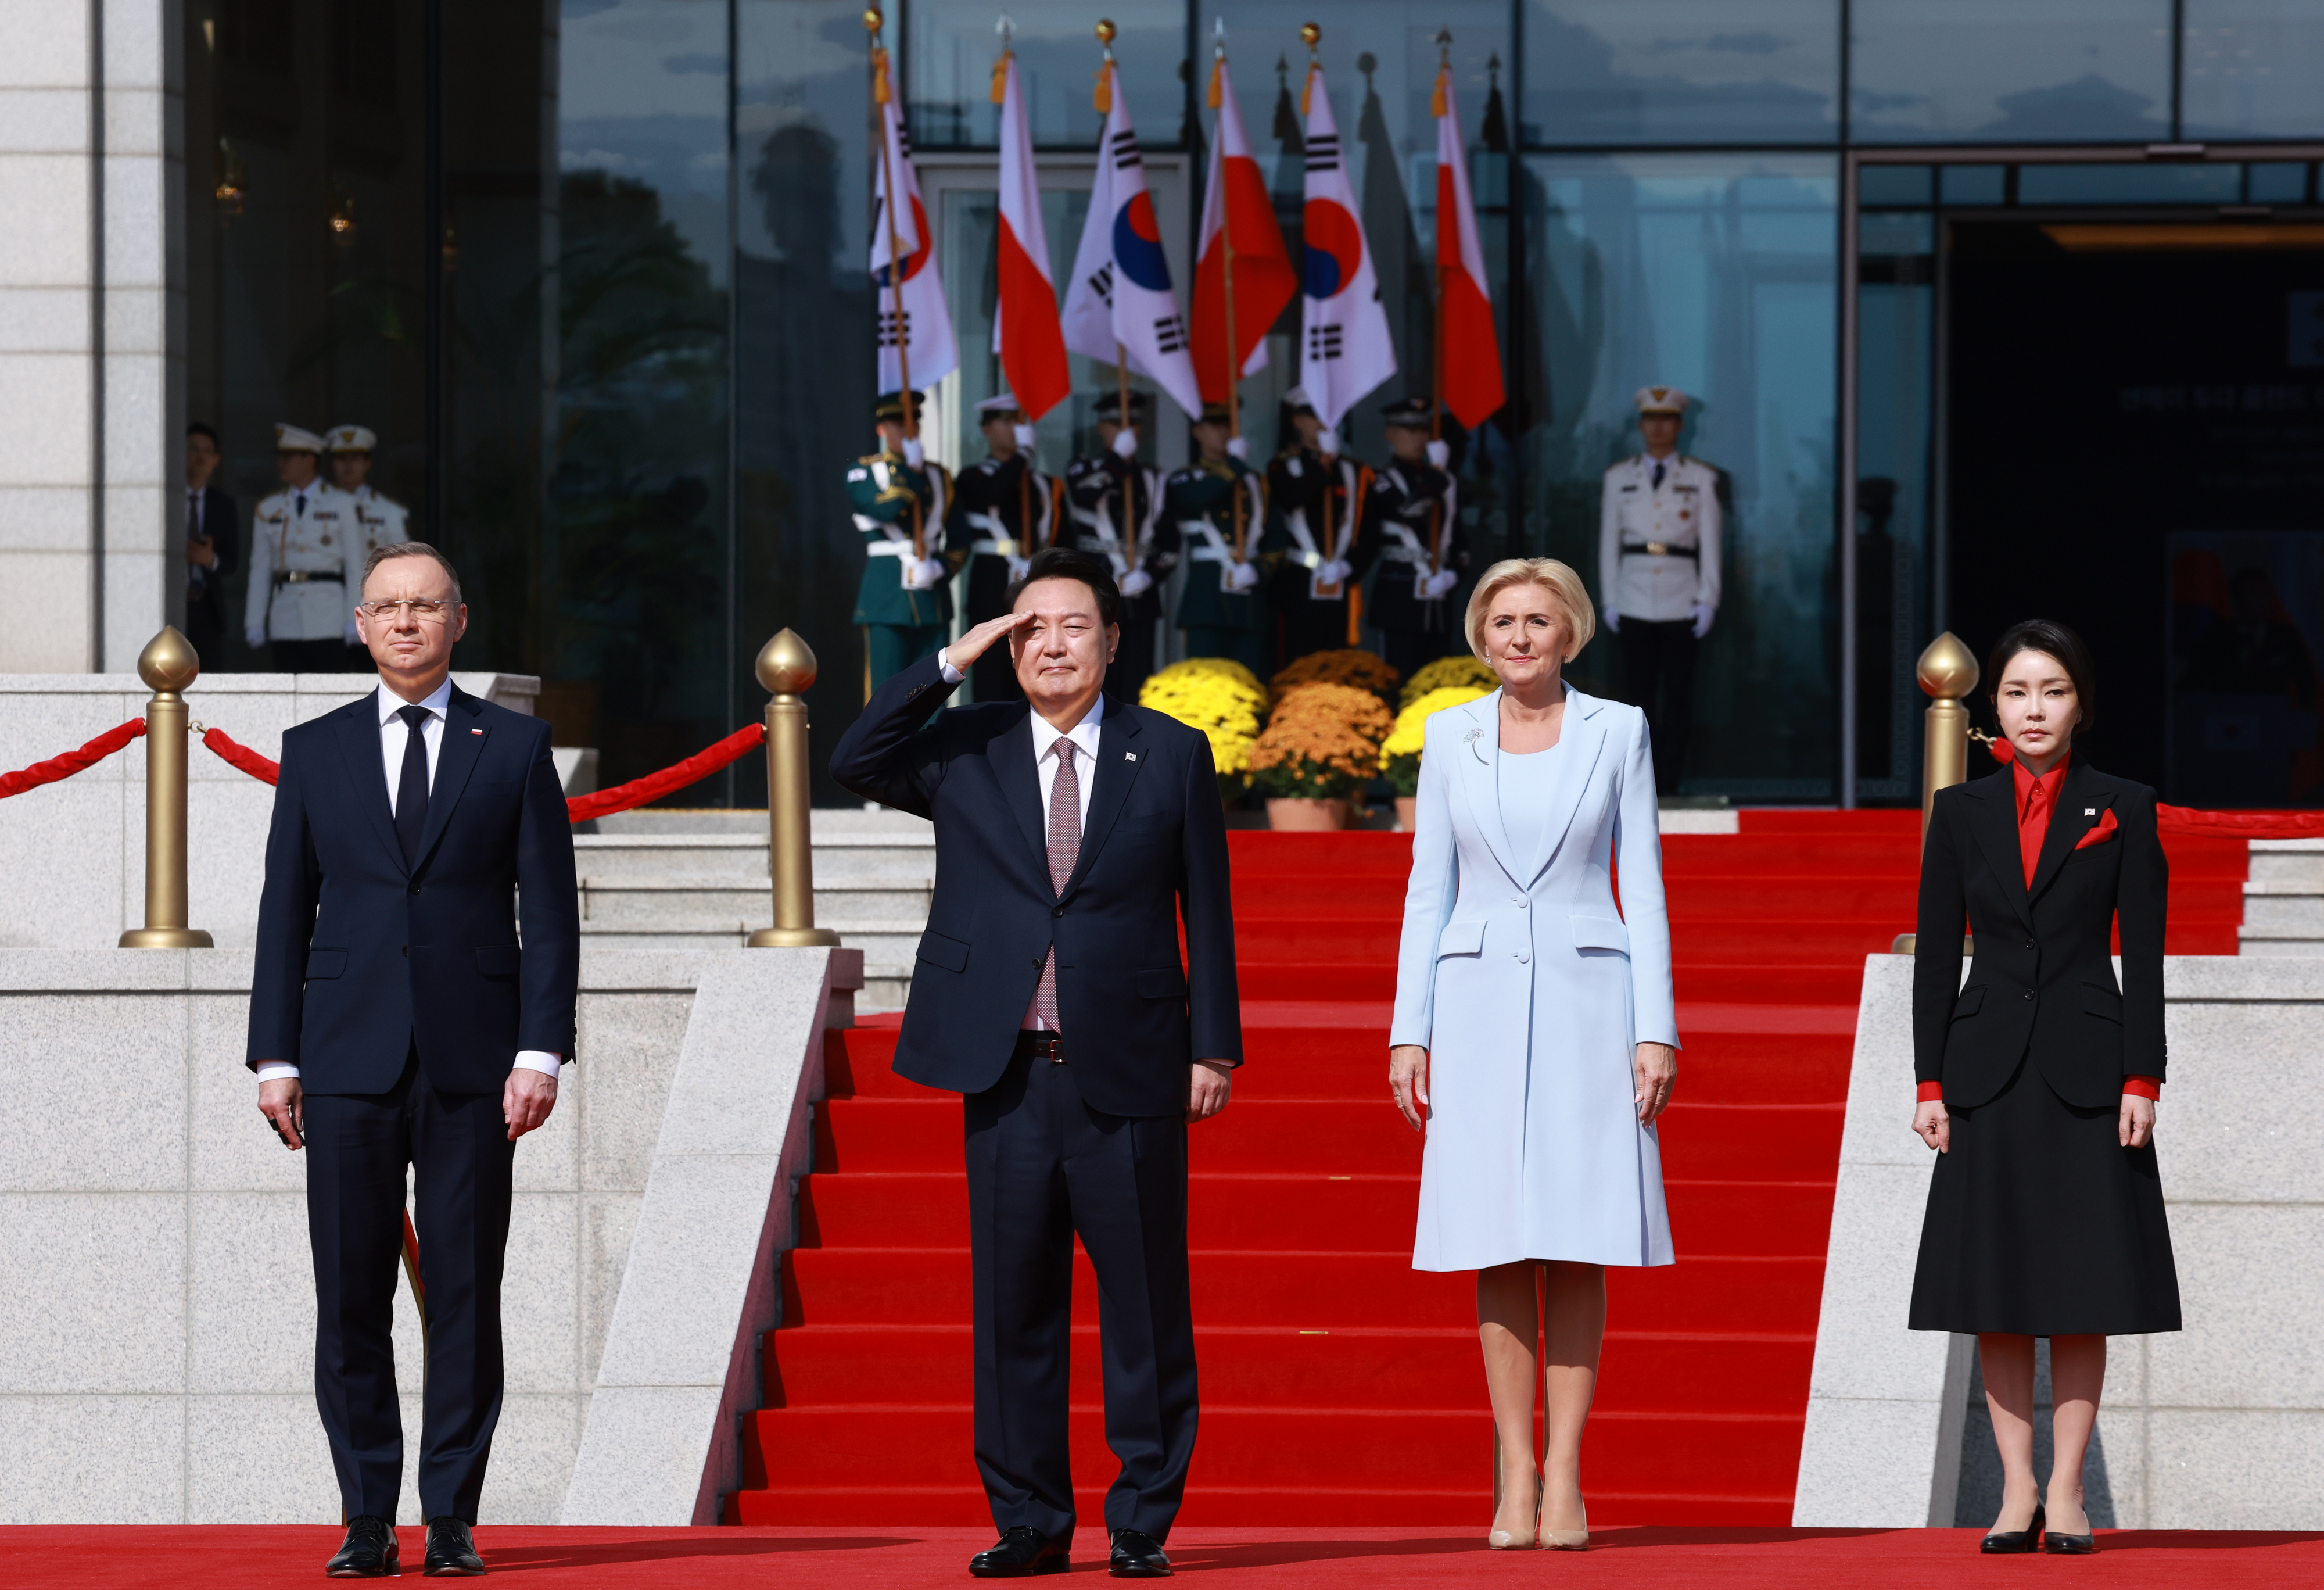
(2276, 864)
(847, 859)
(680, 904)
(2309, 946)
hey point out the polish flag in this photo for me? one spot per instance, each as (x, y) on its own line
(1468, 352)
(1026, 332)
(1345, 348)
(925, 330)
(1121, 304)
(1236, 210)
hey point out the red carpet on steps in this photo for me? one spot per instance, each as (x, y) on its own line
(292, 1557)
(1340, 1388)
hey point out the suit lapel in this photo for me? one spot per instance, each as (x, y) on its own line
(2075, 795)
(456, 759)
(1120, 756)
(360, 743)
(1995, 823)
(1582, 739)
(1011, 754)
(1479, 766)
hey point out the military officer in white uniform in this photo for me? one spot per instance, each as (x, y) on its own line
(306, 563)
(1659, 573)
(379, 520)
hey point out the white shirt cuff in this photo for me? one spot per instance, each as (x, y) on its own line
(952, 676)
(537, 1059)
(273, 1069)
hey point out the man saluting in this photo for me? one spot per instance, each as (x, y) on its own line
(1072, 832)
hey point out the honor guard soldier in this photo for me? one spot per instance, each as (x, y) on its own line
(1220, 609)
(379, 520)
(1116, 505)
(1659, 573)
(1412, 516)
(898, 499)
(1003, 511)
(1318, 496)
(306, 565)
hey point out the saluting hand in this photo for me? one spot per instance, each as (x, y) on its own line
(978, 641)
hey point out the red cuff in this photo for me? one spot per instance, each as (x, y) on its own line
(1927, 1091)
(2144, 1086)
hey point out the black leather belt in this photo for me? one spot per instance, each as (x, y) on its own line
(298, 576)
(1657, 549)
(1042, 1046)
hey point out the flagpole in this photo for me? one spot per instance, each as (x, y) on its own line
(1312, 35)
(1436, 338)
(1226, 244)
(1107, 87)
(881, 88)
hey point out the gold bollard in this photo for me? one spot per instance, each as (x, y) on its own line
(167, 665)
(1948, 673)
(786, 668)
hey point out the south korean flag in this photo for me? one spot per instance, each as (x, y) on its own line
(1345, 348)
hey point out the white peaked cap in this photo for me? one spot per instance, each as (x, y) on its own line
(1662, 399)
(289, 438)
(350, 439)
(1000, 402)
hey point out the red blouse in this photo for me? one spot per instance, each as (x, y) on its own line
(2037, 797)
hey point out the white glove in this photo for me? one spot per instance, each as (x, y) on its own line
(1703, 617)
(1335, 573)
(1137, 583)
(1441, 581)
(1440, 453)
(1613, 622)
(1025, 439)
(1327, 442)
(926, 574)
(1238, 446)
(1241, 577)
(914, 455)
(255, 637)
(1125, 442)
(349, 636)
(1017, 568)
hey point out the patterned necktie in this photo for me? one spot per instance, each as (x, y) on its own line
(411, 787)
(1064, 854)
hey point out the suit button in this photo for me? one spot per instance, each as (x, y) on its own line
(1524, 955)
(415, 888)
(1037, 963)
(2029, 994)
(407, 951)
(1057, 910)
(1523, 903)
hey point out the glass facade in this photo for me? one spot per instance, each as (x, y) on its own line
(594, 271)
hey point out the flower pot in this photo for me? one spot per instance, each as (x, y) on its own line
(1407, 807)
(1306, 815)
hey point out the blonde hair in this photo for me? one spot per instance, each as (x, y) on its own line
(1563, 585)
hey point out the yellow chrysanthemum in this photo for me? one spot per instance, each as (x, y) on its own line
(1405, 740)
(1219, 697)
(1444, 673)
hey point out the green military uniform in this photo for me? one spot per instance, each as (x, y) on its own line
(1199, 502)
(903, 603)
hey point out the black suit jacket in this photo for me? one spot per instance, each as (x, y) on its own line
(359, 955)
(226, 538)
(1133, 1017)
(2042, 986)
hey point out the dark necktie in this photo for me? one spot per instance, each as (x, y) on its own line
(193, 533)
(1064, 854)
(411, 786)
(1658, 474)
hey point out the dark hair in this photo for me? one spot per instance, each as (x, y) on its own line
(380, 555)
(1067, 563)
(199, 429)
(2051, 639)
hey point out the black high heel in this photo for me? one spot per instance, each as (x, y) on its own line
(2005, 1542)
(2060, 1545)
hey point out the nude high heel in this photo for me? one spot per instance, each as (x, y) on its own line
(1510, 1540)
(1562, 1539)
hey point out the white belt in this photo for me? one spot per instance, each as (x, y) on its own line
(1210, 555)
(888, 550)
(999, 549)
(1394, 553)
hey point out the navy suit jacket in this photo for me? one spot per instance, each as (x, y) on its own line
(359, 957)
(2041, 988)
(1132, 1015)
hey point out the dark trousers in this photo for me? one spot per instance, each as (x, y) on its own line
(1246, 646)
(206, 626)
(1310, 626)
(888, 649)
(1043, 1166)
(357, 1146)
(994, 676)
(1133, 661)
(324, 656)
(1409, 651)
(1658, 661)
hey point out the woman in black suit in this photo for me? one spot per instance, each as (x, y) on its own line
(2038, 1076)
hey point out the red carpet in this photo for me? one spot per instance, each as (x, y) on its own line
(894, 1558)
(1341, 1388)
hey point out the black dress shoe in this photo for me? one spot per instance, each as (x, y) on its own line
(1138, 1556)
(2004, 1542)
(2060, 1545)
(451, 1549)
(367, 1553)
(1021, 1553)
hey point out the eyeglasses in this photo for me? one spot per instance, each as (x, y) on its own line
(425, 612)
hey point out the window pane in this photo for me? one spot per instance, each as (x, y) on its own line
(1718, 276)
(2278, 182)
(1682, 71)
(2254, 68)
(2220, 183)
(950, 46)
(1973, 184)
(1895, 308)
(2004, 71)
(1895, 184)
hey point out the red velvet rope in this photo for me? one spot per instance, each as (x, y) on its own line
(580, 808)
(71, 762)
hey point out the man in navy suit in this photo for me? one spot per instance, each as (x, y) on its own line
(1074, 832)
(398, 1018)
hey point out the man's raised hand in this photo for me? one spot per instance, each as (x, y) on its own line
(978, 640)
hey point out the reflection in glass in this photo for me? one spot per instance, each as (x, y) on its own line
(2004, 71)
(2252, 68)
(1978, 185)
(1716, 275)
(1896, 365)
(950, 48)
(1895, 185)
(1696, 71)
(2277, 182)
(2209, 183)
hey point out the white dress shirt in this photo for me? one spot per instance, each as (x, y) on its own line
(392, 735)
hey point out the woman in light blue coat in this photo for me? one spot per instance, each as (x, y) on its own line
(1535, 1039)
